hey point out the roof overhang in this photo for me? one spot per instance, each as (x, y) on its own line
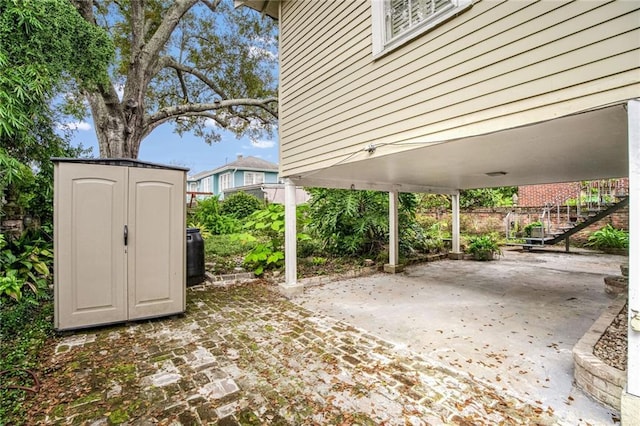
(586, 146)
(265, 7)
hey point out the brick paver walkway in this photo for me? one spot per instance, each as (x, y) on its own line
(244, 355)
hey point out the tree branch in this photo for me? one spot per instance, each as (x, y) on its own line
(212, 5)
(182, 110)
(183, 86)
(149, 127)
(85, 9)
(172, 63)
(169, 22)
(137, 27)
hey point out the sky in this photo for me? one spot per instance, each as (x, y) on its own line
(166, 147)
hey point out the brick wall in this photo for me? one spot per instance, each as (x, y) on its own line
(485, 220)
(554, 193)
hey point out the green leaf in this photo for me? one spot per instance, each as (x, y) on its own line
(41, 268)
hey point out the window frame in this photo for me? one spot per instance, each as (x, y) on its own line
(225, 178)
(206, 184)
(250, 173)
(381, 47)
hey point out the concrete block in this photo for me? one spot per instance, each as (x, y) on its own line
(629, 409)
(290, 291)
(456, 256)
(393, 269)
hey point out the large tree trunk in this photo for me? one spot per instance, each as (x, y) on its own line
(120, 125)
(115, 128)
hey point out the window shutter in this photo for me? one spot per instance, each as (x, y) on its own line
(403, 15)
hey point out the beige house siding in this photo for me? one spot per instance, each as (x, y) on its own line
(498, 65)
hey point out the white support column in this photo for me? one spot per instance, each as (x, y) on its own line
(393, 266)
(455, 227)
(630, 409)
(290, 287)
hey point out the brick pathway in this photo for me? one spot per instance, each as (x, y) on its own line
(244, 355)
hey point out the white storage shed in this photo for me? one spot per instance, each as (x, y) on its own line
(119, 241)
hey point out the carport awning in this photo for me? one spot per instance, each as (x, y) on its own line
(585, 146)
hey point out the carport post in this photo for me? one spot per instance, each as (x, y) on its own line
(290, 287)
(630, 404)
(455, 227)
(393, 266)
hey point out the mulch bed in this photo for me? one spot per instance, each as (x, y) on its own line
(612, 346)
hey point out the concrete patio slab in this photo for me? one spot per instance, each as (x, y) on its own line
(510, 323)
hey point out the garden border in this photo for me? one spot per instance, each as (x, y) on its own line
(598, 379)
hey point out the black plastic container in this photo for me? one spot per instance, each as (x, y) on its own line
(195, 256)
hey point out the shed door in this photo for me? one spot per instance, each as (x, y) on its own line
(90, 258)
(157, 240)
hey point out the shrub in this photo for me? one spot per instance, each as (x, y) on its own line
(240, 205)
(609, 237)
(267, 225)
(25, 262)
(208, 214)
(484, 247)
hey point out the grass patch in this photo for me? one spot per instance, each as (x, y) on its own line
(226, 245)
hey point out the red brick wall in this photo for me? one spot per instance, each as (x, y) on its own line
(486, 220)
(553, 193)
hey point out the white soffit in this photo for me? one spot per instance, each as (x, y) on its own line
(585, 146)
(266, 7)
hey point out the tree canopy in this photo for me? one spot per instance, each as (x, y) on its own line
(40, 41)
(201, 65)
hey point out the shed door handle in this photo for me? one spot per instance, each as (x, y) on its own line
(126, 235)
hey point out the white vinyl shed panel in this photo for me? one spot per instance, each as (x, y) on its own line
(89, 257)
(119, 241)
(157, 231)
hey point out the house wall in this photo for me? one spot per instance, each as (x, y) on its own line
(497, 65)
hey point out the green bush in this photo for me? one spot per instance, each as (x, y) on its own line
(267, 233)
(25, 262)
(609, 237)
(484, 247)
(240, 205)
(208, 213)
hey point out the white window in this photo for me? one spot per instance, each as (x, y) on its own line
(225, 181)
(206, 184)
(252, 178)
(398, 21)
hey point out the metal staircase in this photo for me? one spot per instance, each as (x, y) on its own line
(595, 201)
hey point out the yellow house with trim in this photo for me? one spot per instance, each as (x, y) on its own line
(443, 95)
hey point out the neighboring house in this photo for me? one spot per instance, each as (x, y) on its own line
(442, 95)
(243, 172)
